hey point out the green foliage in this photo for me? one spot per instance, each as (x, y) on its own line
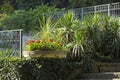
(2, 16)
(36, 69)
(47, 36)
(46, 27)
(18, 20)
(33, 46)
(5, 53)
(8, 70)
(31, 4)
(27, 20)
(95, 36)
(77, 3)
(69, 23)
(103, 35)
(6, 8)
(45, 44)
(26, 5)
(78, 44)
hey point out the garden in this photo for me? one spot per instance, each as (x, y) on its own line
(82, 44)
(68, 38)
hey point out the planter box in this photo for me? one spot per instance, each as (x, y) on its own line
(42, 53)
(109, 67)
(105, 67)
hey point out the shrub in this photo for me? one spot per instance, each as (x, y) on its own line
(103, 34)
(36, 69)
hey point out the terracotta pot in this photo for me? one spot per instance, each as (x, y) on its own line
(43, 53)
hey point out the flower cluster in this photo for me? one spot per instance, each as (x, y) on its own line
(49, 44)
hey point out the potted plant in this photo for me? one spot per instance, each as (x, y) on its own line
(45, 48)
(48, 42)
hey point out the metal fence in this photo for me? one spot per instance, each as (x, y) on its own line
(11, 42)
(112, 9)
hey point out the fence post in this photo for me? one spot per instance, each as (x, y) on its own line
(94, 9)
(108, 9)
(20, 43)
(82, 13)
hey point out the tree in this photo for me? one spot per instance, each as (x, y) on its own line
(27, 20)
(6, 8)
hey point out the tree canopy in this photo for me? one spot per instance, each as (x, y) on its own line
(30, 4)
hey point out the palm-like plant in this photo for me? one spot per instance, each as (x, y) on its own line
(46, 29)
(69, 23)
(78, 44)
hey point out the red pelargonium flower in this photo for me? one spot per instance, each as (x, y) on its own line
(51, 40)
(29, 42)
(38, 41)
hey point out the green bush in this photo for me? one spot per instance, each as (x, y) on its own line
(36, 69)
(103, 35)
(27, 20)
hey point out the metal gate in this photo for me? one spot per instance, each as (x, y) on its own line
(11, 43)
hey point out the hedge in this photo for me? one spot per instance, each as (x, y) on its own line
(36, 69)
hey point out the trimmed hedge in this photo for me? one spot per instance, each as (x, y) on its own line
(36, 69)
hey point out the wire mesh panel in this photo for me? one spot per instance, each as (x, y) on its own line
(101, 8)
(78, 12)
(11, 43)
(58, 15)
(88, 11)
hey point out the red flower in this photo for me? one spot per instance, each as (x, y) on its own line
(51, 40)
(29, 42)
(37, 41)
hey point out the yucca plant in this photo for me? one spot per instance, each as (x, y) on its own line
(78, 43)
(46, 28)
(78, 52)
(69, 23)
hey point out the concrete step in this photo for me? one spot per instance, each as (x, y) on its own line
(100, 79)
(98, 76)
